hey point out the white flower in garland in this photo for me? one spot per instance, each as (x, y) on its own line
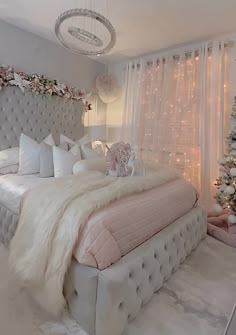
(18, 81)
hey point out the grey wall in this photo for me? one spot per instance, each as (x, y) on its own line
(30, 53)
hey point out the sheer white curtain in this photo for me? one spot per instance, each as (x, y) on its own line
(175, 111)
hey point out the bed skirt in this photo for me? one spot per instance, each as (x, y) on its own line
(104, 302)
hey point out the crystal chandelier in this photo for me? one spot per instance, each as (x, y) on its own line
(85, 31)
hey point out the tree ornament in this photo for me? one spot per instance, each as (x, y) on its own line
(233, 145)
(222, 188)
(233, 172)
(217, 209)
(230, 190)
(232, 219)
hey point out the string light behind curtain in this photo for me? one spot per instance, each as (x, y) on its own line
(174, 111)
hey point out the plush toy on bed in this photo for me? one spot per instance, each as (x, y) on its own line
(121, 161)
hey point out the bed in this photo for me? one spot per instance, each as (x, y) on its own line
(103, 294)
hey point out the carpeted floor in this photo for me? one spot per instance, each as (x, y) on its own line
(198, 299)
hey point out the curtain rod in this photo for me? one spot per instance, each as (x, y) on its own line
(176, 57)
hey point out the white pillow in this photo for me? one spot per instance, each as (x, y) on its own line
(46, 161)
(84, 140)
(96, 164)
(9, 157)
(88, 153)
(49, 140)
(29, 159)
(9, 169)
(64, 140)
(64, 160)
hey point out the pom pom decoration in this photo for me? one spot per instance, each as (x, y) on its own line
(108, 89)
(232, 220)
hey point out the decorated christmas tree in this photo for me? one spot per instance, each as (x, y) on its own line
(226, 183)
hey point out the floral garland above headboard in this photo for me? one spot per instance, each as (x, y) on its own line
(41, 85)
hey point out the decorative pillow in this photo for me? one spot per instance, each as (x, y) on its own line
(29, 159)
(11, 169)
(117, 159)
(95, 164)
(46, 160)
(65, 160)
(9, 157)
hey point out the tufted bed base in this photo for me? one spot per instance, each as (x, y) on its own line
(104, 302)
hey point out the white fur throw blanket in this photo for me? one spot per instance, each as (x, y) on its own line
(42, 248)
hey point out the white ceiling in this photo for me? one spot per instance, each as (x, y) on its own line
(143, 26)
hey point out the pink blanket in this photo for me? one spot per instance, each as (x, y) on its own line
(218, 227)
(112, 232)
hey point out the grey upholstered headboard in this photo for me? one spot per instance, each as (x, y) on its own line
(37, 116)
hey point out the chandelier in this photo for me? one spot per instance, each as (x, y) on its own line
(85, 31)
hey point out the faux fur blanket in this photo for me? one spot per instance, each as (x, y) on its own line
(41, 250)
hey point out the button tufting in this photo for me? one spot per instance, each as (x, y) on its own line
(75, 292)
(121, 305)
(143, 265)
(155, 256)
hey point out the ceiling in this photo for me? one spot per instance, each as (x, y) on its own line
(143, 26)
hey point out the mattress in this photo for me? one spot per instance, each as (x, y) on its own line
(115, 230)
(12, 188)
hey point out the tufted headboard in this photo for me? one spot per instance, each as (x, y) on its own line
(37, 116)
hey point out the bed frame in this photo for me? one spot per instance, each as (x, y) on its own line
(103, 302)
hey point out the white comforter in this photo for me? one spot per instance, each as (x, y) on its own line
(41, 250)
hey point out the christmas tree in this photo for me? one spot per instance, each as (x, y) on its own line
(226, 183)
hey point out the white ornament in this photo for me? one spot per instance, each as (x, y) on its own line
(232, 219)
(18, 81)
(230, 190)
(217, 209)
(233, 172)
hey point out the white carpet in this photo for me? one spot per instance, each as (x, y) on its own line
(198, 299)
